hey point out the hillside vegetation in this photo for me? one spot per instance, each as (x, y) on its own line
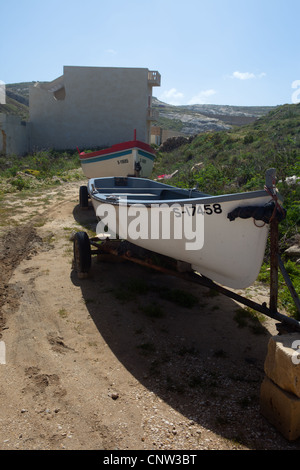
(236, 161)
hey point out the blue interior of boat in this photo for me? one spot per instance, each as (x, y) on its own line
(141, 189)
(113, 189)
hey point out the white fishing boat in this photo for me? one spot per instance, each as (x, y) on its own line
(221, 237)
(132, 158)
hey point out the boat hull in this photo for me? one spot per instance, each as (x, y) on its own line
(195, 229)
(127, 159)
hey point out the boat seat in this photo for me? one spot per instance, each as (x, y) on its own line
(167, 194)
(134, 197)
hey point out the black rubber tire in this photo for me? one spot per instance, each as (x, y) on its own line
(83, 196)
(82, 252)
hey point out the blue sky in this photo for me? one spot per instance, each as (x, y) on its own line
(235, 52)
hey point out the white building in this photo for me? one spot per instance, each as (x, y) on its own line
(87, 107)
(90, 107)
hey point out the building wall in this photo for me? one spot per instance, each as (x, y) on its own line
(14, 135)
(159, 135)
(91, 107)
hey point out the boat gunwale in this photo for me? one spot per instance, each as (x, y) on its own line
(130, 145)
(205, 199)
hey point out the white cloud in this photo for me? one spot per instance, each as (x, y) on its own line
(111, 51)
(172, 96)
(202, 97)
(246, 75)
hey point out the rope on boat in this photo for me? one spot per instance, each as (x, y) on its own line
(277, 207)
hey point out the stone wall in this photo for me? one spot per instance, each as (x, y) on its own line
(280, 390)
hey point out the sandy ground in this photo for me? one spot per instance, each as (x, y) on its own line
(108, 363)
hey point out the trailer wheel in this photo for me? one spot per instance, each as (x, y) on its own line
(82, 252)
(83, 196)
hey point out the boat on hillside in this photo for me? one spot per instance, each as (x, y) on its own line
(221, 237)
(131, 158)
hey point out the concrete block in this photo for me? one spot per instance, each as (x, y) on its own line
(281, 409)
(282, 363)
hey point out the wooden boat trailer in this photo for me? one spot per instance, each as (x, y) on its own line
(127, 251)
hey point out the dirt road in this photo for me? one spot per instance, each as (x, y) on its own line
(113, 362)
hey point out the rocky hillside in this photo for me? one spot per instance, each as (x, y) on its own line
(194, 119)
(187, 120)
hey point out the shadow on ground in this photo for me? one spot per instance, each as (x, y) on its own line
(197, 350)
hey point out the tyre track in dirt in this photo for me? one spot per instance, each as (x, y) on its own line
(49, 367)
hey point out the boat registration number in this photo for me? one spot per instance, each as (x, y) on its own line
(202, 209)
(125, 160)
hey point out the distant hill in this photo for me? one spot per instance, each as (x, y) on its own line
(197, 118)
(187, 119)
(17, 100)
